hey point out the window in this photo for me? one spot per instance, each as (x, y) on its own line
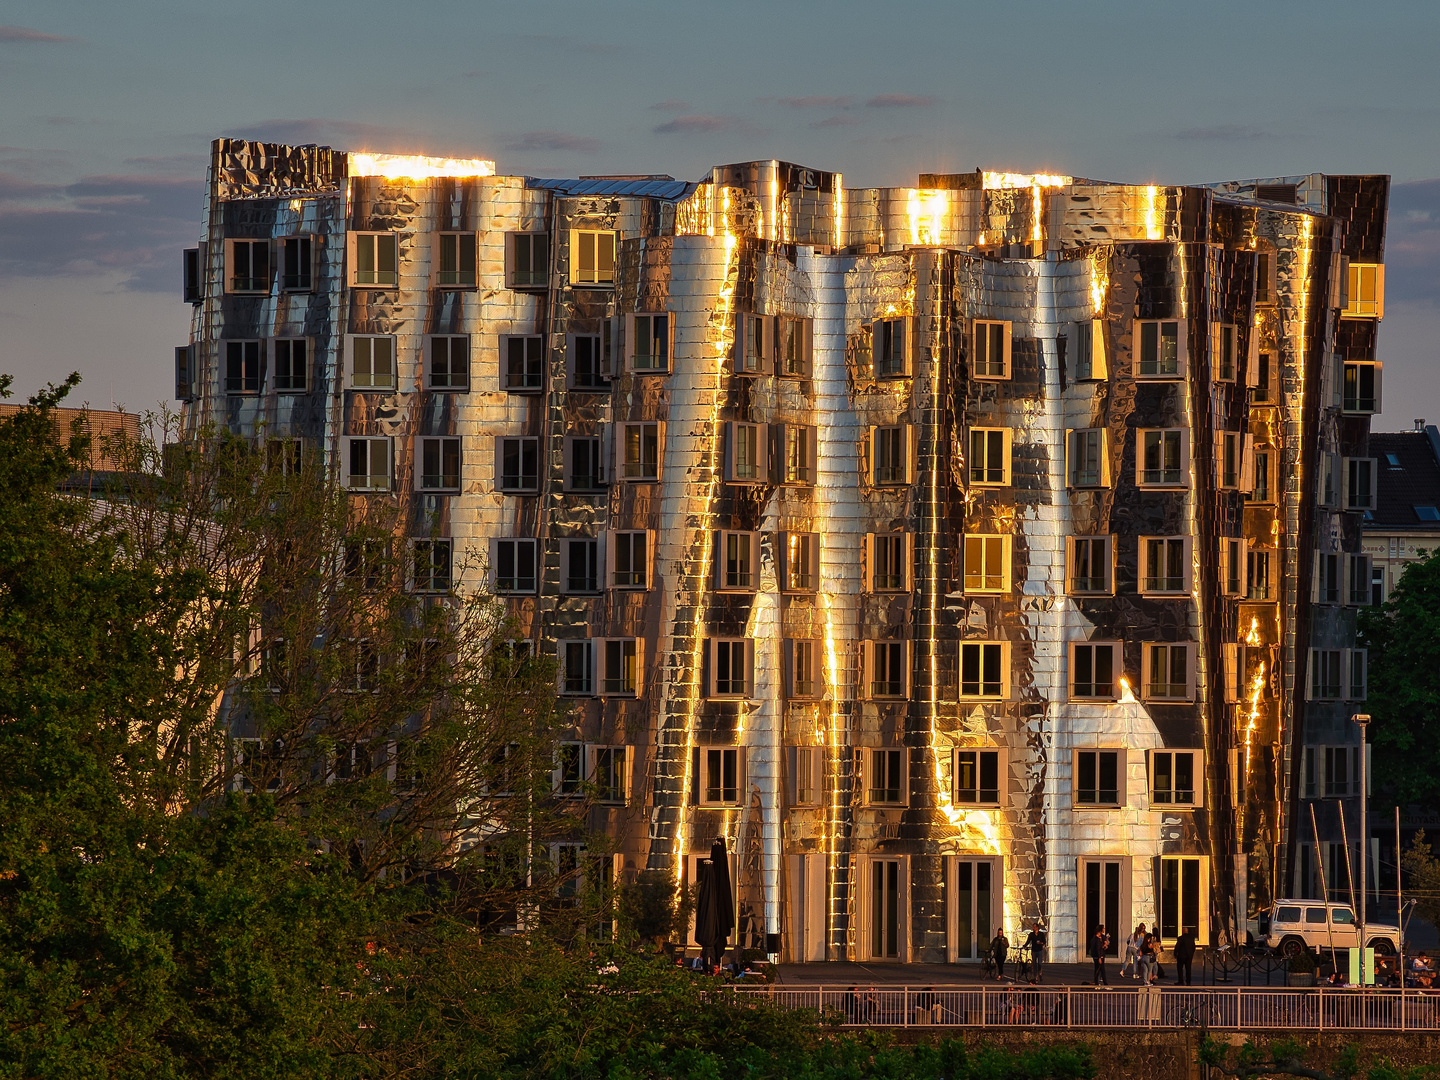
(365, 667)
(1233, 565)
(1092, 563)
(1165, 564)
(984, 669)
(592, 258)
(1184, 897)
(890, 456)
(1263, 392)
(368, 464)
(374, 259)
(987, 564)
(1172, 777)
(1331, 478)
(1094, 670)
(802, 668)
(1223, 337)
(1097, 777)
(888, 339)
(640, 450)
(590, 359)
(1257, 574)
(584, 465)
(1164, 457)
(1161, 350)
(529, 259)
(885, 911)
(1327, 578)
(519, 463)
(731, 667)
(1360, 390)
(457, 261)
(629, 560)
(524, 362)
(1229, 459)
(439, 465)
(887, 668)
(885, 777)
(372, 363)
(888, 560)
(620, 666)
(718, 775)
(609, 773)
(365, 563)
(1427, 513)
(432, 566)
(798, 451)
(516, 563)
(1356, 670)
(1090, 360)
(977, 777)
(247, 266)
(569, 774)
(753, 344)
(580, 564)
(800, 562)
(185, 372)
(577, 668)
(297, 264)
(738, 564)
(1360, 578)
(449, 362)
(793, 351)
(1359, 483)
(992, 350)
(989, 464)
(649, 343)
(1260, 490)
(745, 447)
(242, 366)
(193, 275)
(292, 366)
(285, 457)
(804, 767)
(1087, 464)
(1337, 674)
(1169, 673)
(1264, 277)
(1331, 772)
(1365, 292)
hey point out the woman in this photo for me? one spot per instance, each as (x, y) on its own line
(1147, 959)
(1132, 952)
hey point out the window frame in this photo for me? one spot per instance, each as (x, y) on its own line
(1165, 586)
(991, 477)
(383, 279)
(890, 330)
(592, 583)
(251, 380)
(983, 650)
(724, 580)
(1201, 900)
(981, 370)
(604, 345)
(1091, 359)
(1073, 474)
(738, 433)
(614, 540)
(730, 646)
(252, 286)
(1116, 649)
(1234, 565)
(1122, 777)
(1001, 766)
(798, 551)
(517, 583)
(787, 438)
(1354, 468)
(895, 477)
(627, 650)
(530, 378)
(1224, 352)
(894, 761)
(308, 245)
(348, 441)
(459, 274)
(536, 279)
(1355, 307)
(1182, 350)
(893, 690)
(903, 582)
(745, 359)
(804, 775)
(703, 757)
(983, 583)
(657, 365)
(596, 278)
(426, 547)
(804, 367)
(794, 685)
(432, 349)
(1197, 778)
(524, 484)
(352, 357)
(287, 345)
(1354, 404)
(1182, 438)
(615, 789)
(623, 471)
(573, 483)
(445, 446)
(576, 649)
(1148, 686)
(1072, 559)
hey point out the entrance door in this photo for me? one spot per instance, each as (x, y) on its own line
(975, 886)
(1104, 901)
(885, 915)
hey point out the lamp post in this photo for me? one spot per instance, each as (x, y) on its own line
(1363, 719)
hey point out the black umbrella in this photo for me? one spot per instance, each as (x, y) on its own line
(714, 904)
(724, 894)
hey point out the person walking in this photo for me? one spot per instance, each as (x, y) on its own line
(1132, 952)
(1035, 947)
(1147, 958)
(1184, 956)
(999, 949)
(1099, 946)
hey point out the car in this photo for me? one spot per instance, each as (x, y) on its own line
(1292, 926)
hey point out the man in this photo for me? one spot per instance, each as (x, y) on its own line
(999, 948)
(1184, 954)
(1035, 948)
(1099, 946)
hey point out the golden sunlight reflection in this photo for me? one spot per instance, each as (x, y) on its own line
(1127, 695)
(412, 167)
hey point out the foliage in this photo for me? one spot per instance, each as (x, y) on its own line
(1302, 962)
(1288, 1057)
(1403, 639)
(1422, 878)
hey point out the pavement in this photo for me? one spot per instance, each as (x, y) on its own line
(840, 973)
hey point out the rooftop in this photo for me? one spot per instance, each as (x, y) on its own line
(1408, 487)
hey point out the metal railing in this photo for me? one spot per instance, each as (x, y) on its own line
(1237, 1008)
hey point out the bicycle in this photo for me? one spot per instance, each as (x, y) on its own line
(989, 971)
(1190, 1016)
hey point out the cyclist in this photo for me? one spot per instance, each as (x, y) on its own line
(1034, 948)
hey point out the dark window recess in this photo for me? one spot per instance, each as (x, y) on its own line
(194, 281)
(1282, 193)
(524, 357)
(457, 260)
(630, 560)
(977, 776)
(449, 363)
(1098, 779)
(439, 464)
(592, 360)
(292, 365)
(433, 561)
(532, 260)
(184, 372)
(582, 566)
(515, 566)
(296, 264)
(242, 367)
(587, 464)
(519, 464)
(250, 270)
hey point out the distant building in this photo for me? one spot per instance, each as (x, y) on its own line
(970, 553)
(112, 435)
(1405, 523)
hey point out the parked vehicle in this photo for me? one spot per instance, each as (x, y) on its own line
(1292, 926)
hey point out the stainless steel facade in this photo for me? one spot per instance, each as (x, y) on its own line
(913, 508)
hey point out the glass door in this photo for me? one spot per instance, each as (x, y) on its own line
(973, 905)
(885, 909)
(1100, 899)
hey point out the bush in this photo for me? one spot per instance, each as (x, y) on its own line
(1303, 963)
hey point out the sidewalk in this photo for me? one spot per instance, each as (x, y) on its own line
(840, 973)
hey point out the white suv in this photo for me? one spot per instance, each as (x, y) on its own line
(1300, 924)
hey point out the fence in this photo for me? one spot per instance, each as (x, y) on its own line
(1237, 1008)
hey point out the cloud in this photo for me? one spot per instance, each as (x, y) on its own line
(835, 121)
(1412, 242)
(529, 141)
(670, 106)
(343, 134)
(818, 102)
(694, 125)
(24, 33)
(14, 188)
(1223, 133)
(900, 101)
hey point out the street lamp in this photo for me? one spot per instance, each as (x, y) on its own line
(1363, 719)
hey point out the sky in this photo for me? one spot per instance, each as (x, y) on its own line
(109, 109)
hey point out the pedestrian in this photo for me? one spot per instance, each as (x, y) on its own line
(1147, 959)
(999, 949)
(1099, 946)
(1184, 955)
(1035, 946)
(1132, 952)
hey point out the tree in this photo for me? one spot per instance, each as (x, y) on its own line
(1288, 1057)
(1422, 878)
(1403, 640)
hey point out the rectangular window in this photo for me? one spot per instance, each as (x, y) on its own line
(885, 777)
(243, 362)
(1086, 464)
(1161, 350)
(1356, 671)
(1165, 564)
(1331, 772)
(439, 464)
(1233, 565)
(640, 450)
(992, 350)
(449, 362)
(1260, 490)
(798, 451)
(989, 464)
(1360, 579)
(365, 563)
(888, 669)
(890, 456)
(577, 668)
(792, 347)
(1164, 457)
(530, 259)
(368, 464)
(1184, 897)
(1223, 361)
(977, 777)
(247, 266)
(1328, 579)
(887, 918)
(568, 778)
(457, 261)
(1365, 292)
(629, 554)
(738, 565)
(891, 352)
(193, 275)
(1359, 483)
(1360, 391)
(285, 457)
(374, 259)
(609, 773)
(292, 365)
(432, 566)
(804, 772)
(366, 677)
(297, 264)
(590, 359)
(185, 372)
(1264, 277)
(803, 671)
(372, 363)
(519, 461)
(580, 564)
(1264, 388)
(1257, 574)
(620, 666)
(983, 669)
(1097, 777)
(987, 564)
(592, 257)
(1090, 357)
(1229, 459)
(753, 344)
(745, 446)
(800, 562)
(649, 343)
(719, 775)
(889, 562)
(1169, 673)
(516, 565)
(731, 662)
(1172, 777)
(1327, 679)
(1092, 563)
(1094, 670)
(524, 362)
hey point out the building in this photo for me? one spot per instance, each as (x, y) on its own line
(1405, 523)
(940, 547)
